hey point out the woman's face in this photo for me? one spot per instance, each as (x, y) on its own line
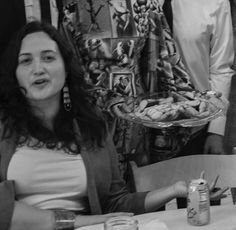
(41, 70)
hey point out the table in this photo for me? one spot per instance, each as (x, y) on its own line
(223, 217)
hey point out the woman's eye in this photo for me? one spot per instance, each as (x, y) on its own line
(25, 61)
(48, 58)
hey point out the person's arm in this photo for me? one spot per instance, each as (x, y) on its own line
(140, 202)
(120, 199)
(27, 217)
(7, 196)
(157, 198)
(221, 62)
(30, 218)
(17, 216)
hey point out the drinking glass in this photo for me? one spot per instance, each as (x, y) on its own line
(121, 223)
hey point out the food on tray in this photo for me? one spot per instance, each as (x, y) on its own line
(177, 106)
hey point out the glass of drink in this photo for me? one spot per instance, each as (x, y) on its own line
(121, 223)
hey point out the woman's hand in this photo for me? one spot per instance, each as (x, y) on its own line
(181, 189)
(214, 144)
(215, 194)
(97, 219)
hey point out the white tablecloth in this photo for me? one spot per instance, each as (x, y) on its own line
(223, 217)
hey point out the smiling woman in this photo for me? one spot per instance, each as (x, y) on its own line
(58, 164)
(40, 71)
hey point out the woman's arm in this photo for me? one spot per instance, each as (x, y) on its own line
(15, 215)
(27, 217)
(97, 219)
(7, 197)
(120, 199)
(157, 198)
(140, 202)
(30, 218)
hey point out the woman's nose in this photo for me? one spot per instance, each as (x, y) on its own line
(38, 68)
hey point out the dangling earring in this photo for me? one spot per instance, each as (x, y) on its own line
(66, 98)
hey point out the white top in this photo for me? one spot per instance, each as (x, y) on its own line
(203, 32)
(49, 179)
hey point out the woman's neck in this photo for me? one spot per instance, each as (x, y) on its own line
(46, 111)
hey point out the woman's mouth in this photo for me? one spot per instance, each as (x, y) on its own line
(40, 82)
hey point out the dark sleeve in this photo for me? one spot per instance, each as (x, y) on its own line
(12, 18)
(7, 195)
(120, 200)
(7, 200)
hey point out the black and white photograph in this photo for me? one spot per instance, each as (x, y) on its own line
(117, 114)
(122, 83)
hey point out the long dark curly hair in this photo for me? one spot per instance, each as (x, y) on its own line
(84, 121)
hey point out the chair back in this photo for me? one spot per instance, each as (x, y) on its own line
(185, 168)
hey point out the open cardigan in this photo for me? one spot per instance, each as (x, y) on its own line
(107, 191)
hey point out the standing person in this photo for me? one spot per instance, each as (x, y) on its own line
(58, 165)
(144, 51)
(230, 141)
(204, 37)
(16, 13)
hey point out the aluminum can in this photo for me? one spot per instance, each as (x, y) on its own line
(198, 202)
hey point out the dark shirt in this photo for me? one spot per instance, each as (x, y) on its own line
(12, 18)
